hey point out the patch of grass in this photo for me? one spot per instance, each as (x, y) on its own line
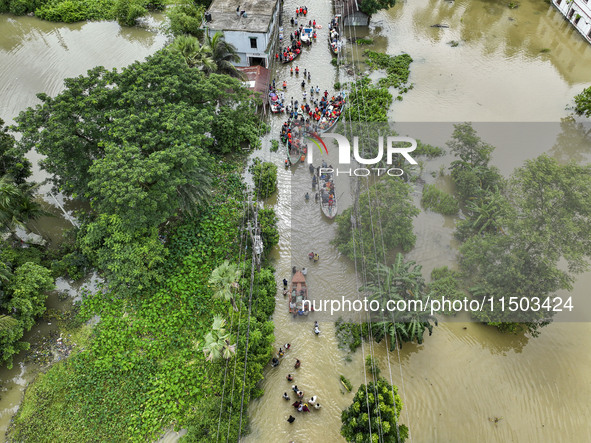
(439, 201)
(453, 43)
(364, 41)
(274, 145)
(545, 50)
(513, 5)
(397, 67)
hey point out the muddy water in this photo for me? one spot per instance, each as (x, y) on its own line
(467, 382)
(465, 375)
(36, 56)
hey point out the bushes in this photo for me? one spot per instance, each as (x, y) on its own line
(67, 11)
(128, 11)
(264, 176)
(439, 201)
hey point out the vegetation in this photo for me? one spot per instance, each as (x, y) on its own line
(427, 150)
(583, 103)
(264, 176)
(364, 41)
(346, 383)
(162, 206)
(274, 145)
(367, 102)
(517, 232)
(24, 276)
(439, 201)
(446, 283)
(185, 17)
(403, 285)
(68, 11)
(372, 366)
(385, 213)
(370, 7)
(397, 68)
(374, 415)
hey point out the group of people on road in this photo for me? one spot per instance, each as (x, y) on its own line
(301, 405)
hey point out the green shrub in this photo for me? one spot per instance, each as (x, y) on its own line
(264, 176)
(439, 201)
(67, 11)
(428, 150)
(445, 283)
(128, 11)
(21, 7)
(274, 145)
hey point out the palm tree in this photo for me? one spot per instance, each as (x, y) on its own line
(195, 54)
(217, 341)
(17, 204)
(223, 54)
(224, 279)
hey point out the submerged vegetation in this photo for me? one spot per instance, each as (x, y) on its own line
(439, 201)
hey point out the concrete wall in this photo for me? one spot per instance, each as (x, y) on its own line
(578, 13)
(356, 19)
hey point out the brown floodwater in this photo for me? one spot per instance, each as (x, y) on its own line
(467, 382)
(466, 375)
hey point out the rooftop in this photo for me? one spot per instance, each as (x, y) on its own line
(259, 14)
(257, 78)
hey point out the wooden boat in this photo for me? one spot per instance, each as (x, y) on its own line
(328, 198)
(298, 294)
(293, 56)
(334, 36)
(326, 124)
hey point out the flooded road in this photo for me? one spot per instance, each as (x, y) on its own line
(466, 375)
(467, 382)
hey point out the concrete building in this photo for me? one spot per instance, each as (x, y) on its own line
(578, 13)
(250, 25)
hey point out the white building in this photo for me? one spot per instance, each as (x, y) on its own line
(249, 25)
(578, 12)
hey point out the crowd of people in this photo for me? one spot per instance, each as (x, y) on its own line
(300, 405)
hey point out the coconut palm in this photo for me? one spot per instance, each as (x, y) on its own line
(217, 341)
(195, 54)
(17, 204)
(223, 54)
(224, 280)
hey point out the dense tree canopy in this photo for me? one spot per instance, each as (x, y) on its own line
(373, 415)
(153, 119)
(370, 7)
(385, 215)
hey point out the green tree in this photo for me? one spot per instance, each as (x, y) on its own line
(224, 280)
(401, 282)
(185, 18)
(223, 54)
(264, 177)
(194, 53)
(217, 341)
(17, 204)
(583, 103)
(370, 7)
(385, 214)
(12, 162)
(26, 293)
(550, 222)
(374, 415)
